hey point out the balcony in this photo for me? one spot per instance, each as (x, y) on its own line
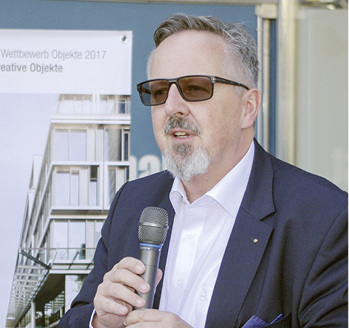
(99, 108)
(40, 273)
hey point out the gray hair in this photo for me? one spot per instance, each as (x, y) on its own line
(241, 46)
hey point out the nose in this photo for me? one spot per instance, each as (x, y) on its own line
(175, 105)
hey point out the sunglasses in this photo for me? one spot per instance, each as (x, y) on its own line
(191, 88)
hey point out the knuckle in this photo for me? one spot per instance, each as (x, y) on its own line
(101, 287)
(122, 275)
(117, 290)
(107, 276)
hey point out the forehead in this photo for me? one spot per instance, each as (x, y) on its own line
(187, 53)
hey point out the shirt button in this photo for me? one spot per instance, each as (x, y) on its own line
(190, 235)
(203, 296)
(178, 283)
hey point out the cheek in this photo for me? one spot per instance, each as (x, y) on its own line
(158, 129)
(214, 130)
(223, 126)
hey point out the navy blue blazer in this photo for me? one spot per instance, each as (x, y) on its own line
(287, 253)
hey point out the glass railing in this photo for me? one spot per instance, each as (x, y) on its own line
(46, 257)
(34, 265)
(72, 255)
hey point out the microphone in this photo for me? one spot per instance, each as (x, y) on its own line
(152, 231)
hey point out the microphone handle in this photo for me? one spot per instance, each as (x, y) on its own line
(150, 255)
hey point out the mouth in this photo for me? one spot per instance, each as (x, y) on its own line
(180, 129)
(180, 134)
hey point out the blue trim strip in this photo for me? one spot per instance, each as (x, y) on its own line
(149, 245)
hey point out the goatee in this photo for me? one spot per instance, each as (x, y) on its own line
(183, 160)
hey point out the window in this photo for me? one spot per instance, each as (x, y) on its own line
(77, 239)
(117, 144)
(76, 186)
(113, 104)
(67, 188)
(60, 234)
(77, 145)
(125, 140)
(61, 145)
(122, 106)
(93, 234)
(107, 104)
(112, 184)
(75, 104)
(59, 239)
(93, 186)
(70, 145)
(113, 145)
(62, 188)
(69, 238)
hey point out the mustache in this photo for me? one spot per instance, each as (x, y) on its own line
(182, 123)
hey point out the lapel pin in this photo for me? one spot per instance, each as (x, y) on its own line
(255, 240)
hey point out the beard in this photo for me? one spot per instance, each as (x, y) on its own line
(184, 160)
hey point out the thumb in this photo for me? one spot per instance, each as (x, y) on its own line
(158, 276)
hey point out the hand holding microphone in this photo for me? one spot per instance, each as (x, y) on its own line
(115, 296)
(152, 232)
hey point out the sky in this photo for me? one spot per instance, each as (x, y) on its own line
(24, 127)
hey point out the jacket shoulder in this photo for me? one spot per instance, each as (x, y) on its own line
(304, 186)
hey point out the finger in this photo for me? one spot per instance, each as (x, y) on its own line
(127, 273)
(116, 294)
(132, 264)
(110, 306)
(143, 315)
(127, 278)
(121, 293)
(154, 318)
(158, 276)
(111, 313)
(107, 320)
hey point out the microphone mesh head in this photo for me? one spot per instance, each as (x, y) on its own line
(153, 225)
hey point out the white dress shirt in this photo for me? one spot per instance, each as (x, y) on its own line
(199, 237)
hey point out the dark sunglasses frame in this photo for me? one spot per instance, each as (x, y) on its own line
(214, 79)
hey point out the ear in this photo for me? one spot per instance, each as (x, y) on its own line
(252, 104)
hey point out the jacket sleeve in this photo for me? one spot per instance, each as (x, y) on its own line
(82, 306)
(324, 299)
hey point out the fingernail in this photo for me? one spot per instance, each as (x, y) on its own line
(140, 302)
(123, 311)
(144, 288)
(139, 269)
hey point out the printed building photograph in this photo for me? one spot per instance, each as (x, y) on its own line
(86, 161)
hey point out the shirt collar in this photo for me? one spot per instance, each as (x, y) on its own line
(233, 184)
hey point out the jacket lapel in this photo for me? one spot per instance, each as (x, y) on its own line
(240, 262)
(245, 247)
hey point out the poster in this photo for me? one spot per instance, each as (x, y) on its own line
(70, 62)
(70, 79)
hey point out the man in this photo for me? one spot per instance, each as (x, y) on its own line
(253, 241)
